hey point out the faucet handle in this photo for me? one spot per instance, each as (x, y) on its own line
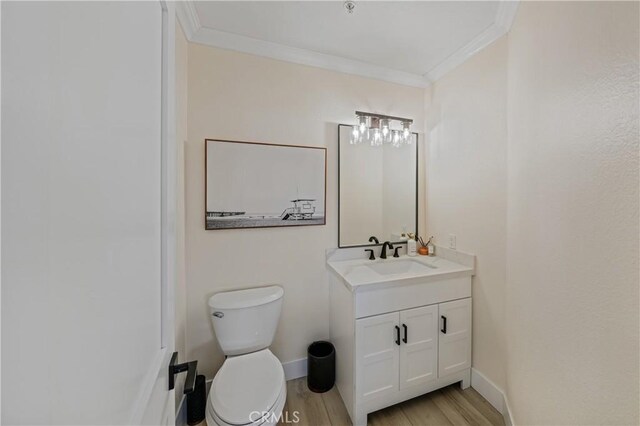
(371, 255)
(395, 252)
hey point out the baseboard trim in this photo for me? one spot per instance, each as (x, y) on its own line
(508, 417)
(489, 390)
(492, 393)
(295, 369)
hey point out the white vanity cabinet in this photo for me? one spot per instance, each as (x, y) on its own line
(396, 340)
(395, 351)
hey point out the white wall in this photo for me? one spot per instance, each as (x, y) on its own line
(572, 266)
(466, 188)
(81, 159)
(243, 97)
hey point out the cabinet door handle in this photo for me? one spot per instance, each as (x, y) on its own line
(404, 339)
(444, 324)
(397, 335)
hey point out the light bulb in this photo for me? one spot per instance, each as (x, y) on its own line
(374, 128)
(355, 136)
(362, 126)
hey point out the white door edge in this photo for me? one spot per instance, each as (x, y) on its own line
(147, 388)
(156, 377)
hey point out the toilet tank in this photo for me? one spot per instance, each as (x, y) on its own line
(246, 320)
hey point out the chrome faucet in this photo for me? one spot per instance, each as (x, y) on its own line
(383, 254)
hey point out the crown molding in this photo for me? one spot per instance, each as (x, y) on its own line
(196, 33)
(504, 18)
(296, 55)
(188, 18)
(507, 10)
(483, 39)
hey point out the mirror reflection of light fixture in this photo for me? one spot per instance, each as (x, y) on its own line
(396, 138)
(406, 133)
(355, 135)
(376, 129)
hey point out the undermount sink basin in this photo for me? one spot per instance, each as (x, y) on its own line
(400, 267)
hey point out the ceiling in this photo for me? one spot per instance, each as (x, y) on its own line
(413, 42)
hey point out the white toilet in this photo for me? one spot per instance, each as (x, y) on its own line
(249, 389)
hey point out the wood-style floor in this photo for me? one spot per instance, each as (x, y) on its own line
(447, 406)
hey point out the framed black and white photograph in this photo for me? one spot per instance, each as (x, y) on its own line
(259, 185)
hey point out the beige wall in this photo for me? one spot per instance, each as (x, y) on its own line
(181, 137)
(467, 192)
(243, 97)
(572, 265)
(547, 197)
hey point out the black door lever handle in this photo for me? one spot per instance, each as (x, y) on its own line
(191, 369)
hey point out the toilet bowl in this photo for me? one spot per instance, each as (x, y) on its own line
(250, 387)
(248, 390)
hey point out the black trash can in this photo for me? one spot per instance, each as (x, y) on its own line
(197, 402)
(321, 366)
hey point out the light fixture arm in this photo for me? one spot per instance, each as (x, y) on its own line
(382, 116)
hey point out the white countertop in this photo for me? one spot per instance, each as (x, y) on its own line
(356, 273)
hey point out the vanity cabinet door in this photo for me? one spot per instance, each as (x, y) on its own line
(419, 349)
(377, 356)
(454, 342)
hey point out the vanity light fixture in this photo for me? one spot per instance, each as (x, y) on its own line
(376, 129)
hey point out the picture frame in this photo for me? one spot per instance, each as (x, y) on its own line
(263, 185)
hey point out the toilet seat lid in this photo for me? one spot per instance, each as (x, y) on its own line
(245, 384)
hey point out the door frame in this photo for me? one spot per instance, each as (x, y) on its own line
(155, 382)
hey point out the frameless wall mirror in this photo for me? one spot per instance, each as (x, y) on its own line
(378, 190)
